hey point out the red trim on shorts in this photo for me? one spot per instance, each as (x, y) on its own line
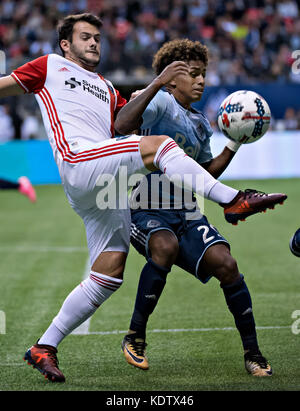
(63, 146)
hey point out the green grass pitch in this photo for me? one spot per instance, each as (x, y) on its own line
(192, 343)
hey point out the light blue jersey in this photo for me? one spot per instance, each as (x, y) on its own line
(191, 131)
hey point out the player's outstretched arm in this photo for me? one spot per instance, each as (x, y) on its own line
(129, 117)
(219, 163)
(9, 87)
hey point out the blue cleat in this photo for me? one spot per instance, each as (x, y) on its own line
(295, 243)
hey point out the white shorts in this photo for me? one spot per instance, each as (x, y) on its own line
(107, 229)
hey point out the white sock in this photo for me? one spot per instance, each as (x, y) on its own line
(79, 305)
(172, 160)
(220, 193)
(53, 336)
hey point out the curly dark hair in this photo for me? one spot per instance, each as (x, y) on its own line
(181, 50)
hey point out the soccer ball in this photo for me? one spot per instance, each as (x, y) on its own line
(244, 116)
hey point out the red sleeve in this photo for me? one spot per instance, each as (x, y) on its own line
(121, 101)
(32, 76)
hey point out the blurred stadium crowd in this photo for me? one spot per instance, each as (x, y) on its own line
(250, 41)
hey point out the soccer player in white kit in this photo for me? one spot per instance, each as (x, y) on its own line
(78, 107)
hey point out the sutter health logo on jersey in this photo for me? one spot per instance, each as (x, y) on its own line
(88, 87)
(72, 82)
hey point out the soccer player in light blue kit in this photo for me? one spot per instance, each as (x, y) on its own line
(167, 236)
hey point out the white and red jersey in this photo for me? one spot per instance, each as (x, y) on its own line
(78, 106)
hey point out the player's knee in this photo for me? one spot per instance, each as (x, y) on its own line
(111, 263)
(157, 141)
(227, 272)
(163, 247)
(149, 146)
(119, 272)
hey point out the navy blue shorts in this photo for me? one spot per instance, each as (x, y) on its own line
(194, 236)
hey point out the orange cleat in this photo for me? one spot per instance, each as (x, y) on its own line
(44, 359)
(257, 365)
(134, 351)
(249, 202)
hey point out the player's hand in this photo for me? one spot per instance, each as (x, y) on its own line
(135, 94)
(167, 75)
(233, 145)
(173, 70)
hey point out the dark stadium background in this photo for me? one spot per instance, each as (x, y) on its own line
(192, 342)
(251, 44)
(254, 44)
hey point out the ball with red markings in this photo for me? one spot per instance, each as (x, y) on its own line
(244, 116)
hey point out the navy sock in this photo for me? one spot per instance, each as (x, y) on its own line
(8, 185)
(240, 305)
(151, 284)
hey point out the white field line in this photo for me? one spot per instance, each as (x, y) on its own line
(83, 328)
(179, 330)
(42, 249)
(271, 327)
